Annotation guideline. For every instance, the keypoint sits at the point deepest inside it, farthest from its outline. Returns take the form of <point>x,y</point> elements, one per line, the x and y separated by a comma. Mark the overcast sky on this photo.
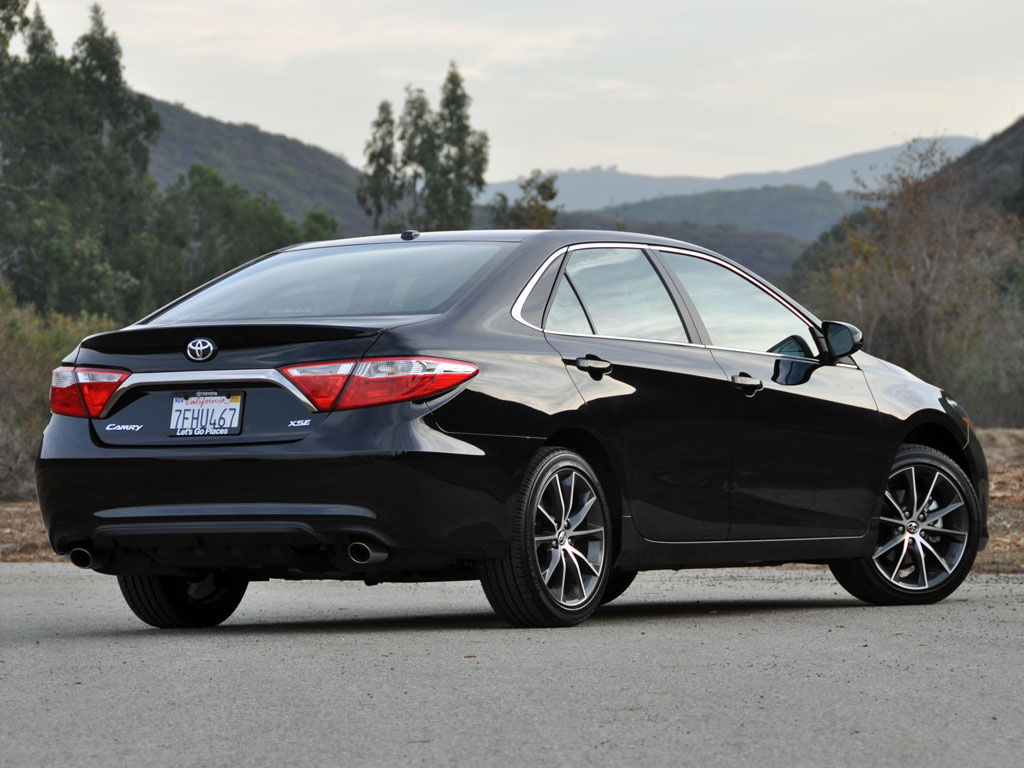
<point>667,88</point>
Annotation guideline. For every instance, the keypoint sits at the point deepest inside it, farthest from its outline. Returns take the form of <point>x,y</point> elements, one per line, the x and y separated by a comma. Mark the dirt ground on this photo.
<point>22,538</point>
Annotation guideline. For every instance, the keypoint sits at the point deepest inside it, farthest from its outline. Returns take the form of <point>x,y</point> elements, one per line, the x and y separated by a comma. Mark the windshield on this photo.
<point>354,280</point>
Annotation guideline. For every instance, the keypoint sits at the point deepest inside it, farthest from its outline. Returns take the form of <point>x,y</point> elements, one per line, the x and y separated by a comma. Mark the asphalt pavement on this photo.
<point>760,667</point>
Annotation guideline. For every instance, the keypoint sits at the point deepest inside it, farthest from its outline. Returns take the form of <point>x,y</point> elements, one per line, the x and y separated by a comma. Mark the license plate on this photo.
<point>205,414</point>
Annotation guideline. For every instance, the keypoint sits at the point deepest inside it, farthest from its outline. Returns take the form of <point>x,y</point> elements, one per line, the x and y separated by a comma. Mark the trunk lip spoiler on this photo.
<point>239,376</point>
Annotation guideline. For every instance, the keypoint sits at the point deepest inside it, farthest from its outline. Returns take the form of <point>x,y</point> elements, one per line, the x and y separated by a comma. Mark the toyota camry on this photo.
<point>547,412</point>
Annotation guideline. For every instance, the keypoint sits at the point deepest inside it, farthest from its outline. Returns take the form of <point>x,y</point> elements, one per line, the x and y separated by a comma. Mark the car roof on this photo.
<point>554,238</point>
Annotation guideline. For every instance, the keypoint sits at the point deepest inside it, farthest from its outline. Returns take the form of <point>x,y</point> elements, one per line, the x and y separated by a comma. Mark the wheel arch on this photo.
<point>600,458</point>
<point>940,437</point>
<point>969,456</point>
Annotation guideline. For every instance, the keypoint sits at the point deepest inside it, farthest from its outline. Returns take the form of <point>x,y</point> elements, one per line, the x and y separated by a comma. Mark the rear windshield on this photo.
<point>355,280</point>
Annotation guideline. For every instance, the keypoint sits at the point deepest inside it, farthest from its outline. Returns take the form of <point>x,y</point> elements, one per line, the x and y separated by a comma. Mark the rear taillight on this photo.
<point>320,382</point>
<point>343,384</point>
<point>83,391</point>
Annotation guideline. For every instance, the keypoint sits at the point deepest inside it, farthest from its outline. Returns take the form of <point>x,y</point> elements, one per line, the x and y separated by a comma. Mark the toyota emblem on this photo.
<point>200,350</point>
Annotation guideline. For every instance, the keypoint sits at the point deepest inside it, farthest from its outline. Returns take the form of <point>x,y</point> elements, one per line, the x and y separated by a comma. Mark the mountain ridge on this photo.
<point>589,189</point>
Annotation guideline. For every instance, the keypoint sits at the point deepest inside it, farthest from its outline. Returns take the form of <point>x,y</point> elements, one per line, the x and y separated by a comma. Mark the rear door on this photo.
<point>806,462</point>
<point>663,401</point>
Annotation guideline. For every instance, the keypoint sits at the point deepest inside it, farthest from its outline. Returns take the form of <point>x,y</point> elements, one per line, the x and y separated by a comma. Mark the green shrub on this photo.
<point>31,346</point>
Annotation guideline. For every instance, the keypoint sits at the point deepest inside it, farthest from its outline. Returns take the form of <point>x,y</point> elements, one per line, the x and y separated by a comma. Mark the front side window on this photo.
<point>621,293</point>
<point>737,313</point>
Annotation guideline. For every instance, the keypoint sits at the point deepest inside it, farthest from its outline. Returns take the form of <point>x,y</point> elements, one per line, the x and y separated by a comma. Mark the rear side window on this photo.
<point>621,294</point>
<point>566,313</point>
<point>382,279</point>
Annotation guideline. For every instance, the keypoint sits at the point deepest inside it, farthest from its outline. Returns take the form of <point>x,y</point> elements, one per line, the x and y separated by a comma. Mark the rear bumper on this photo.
<point>283,508</point>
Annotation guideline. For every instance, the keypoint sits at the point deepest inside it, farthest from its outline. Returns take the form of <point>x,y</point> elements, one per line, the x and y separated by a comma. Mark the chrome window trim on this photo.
<point>268,375</point>
<point>615,246</point>
<point>517,307</point>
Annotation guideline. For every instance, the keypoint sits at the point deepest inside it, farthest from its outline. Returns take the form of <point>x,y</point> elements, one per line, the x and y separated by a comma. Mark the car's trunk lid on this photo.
<point>236,394</point>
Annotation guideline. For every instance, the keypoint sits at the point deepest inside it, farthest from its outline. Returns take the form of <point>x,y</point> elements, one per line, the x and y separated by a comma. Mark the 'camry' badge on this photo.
<point>200,350</point>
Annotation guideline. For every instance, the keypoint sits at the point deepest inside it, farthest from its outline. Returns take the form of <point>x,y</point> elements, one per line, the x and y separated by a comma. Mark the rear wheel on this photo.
<point>174,602</point>
<point>927,534</point>
<point>557,565</point>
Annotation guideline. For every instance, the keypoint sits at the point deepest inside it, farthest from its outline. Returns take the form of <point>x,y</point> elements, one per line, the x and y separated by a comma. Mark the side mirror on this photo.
<point>842,339</point>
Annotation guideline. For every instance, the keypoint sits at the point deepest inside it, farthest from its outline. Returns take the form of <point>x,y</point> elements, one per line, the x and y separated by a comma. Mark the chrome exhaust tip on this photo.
<point>367,553</point>
<point>81,557</point>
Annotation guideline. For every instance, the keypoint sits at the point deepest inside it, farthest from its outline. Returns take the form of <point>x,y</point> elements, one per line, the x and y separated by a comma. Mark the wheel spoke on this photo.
<point>580,557</point>
<point>579,573</point>
<point>579,532</point>
<point>895,505</point>
<point>894,541</point>
<point>546,537</point>
<point>552,565</point>
<point>893,521</point>
<point>581,515</point>
<point>941,513</point>
<point>945,531</point>
<point>899,563</point>
<point>942,561</point>
<point>540,508</point>
<point>913,489</point>
<point>928,496</point>
<point>921,565</point>
<point>561,593</point>
<point>561,498</point>
<point>572,493</point>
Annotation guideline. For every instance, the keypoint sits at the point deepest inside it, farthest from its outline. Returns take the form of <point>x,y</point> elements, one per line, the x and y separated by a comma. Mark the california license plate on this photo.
<point>205,414</point>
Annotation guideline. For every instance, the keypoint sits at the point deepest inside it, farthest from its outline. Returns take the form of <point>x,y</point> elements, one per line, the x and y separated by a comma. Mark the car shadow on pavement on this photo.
<point>485,620</point>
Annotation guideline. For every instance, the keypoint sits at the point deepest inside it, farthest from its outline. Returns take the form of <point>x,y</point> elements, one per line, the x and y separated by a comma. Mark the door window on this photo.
<point>621,295</point>
<point>566,314</point>
<point>737,313</point>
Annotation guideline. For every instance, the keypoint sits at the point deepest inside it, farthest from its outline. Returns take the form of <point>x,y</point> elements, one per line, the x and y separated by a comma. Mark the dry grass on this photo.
<point>22,538</point>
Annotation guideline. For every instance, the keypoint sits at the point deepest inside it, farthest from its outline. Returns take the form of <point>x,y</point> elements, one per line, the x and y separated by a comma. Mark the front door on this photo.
<point>807,436</point>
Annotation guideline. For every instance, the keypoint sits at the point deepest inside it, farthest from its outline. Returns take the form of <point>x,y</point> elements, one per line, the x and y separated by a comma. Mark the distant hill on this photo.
<point>768,253</point>
<point>993,169</point>
<point>598,187</point>
<point>801,212</point>
<point>299,176</point>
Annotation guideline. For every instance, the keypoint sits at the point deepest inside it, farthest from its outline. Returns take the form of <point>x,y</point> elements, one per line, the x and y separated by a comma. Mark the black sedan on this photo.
<point>548,412</point>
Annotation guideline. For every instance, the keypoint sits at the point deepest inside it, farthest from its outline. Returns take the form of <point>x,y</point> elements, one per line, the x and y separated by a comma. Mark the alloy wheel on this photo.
<point>569,538</point>
<point>924,529</point>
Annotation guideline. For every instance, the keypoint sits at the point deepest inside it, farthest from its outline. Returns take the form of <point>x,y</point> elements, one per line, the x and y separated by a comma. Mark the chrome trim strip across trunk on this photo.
<point>268,375</point>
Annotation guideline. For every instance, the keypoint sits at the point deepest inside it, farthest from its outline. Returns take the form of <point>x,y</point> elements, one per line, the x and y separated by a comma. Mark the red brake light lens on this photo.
<point>83,392</point>
<point>345,384</point>
<point>320,382</point>
<point>394,379</point>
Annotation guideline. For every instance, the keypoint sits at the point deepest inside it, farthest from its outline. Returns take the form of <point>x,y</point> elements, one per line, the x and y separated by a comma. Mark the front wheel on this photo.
<point>170,602</point>
<point>558,561</point>
<point>927,534</point>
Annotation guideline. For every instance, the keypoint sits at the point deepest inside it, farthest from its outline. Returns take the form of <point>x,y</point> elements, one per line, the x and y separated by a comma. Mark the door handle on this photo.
<point>747,383</point>
<point>593,365</point>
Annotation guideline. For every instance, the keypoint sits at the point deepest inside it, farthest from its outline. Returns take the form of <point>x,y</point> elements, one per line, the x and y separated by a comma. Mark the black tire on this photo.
<point>618,583</point>
<point>927,535</point>
<point>576,556</point>
<point>172,602</point>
